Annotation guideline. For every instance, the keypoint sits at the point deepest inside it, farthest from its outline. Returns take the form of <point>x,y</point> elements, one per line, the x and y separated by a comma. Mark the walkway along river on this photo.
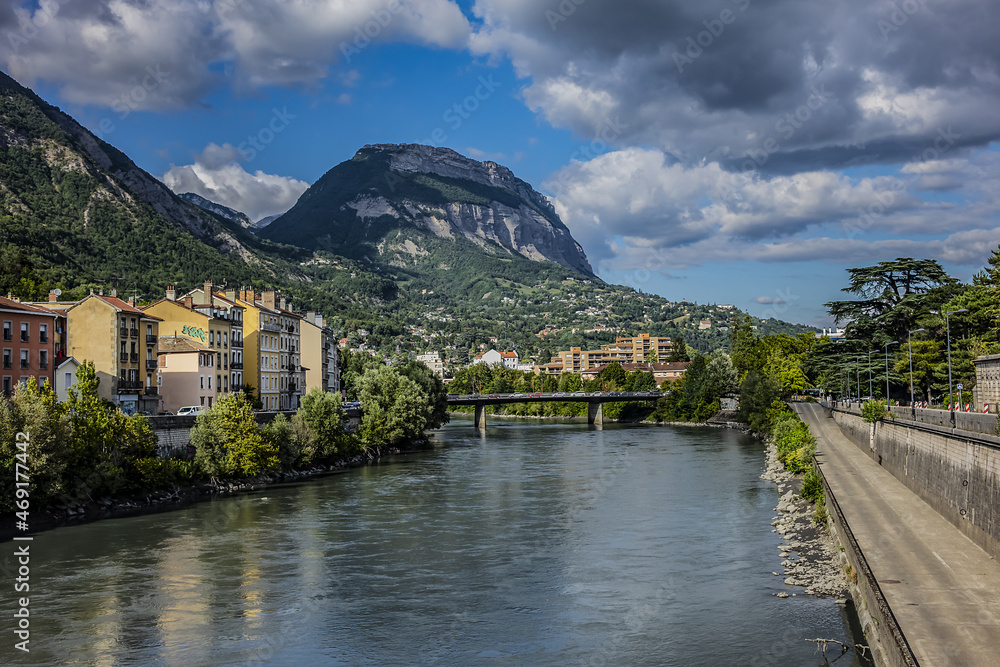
<point>533,544</point>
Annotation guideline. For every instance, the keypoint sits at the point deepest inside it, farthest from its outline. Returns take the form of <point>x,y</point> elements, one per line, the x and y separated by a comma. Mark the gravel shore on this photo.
<point>809,557</point>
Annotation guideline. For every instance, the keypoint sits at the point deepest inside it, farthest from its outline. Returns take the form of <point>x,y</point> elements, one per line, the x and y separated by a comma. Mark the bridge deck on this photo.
<point>943,589</point>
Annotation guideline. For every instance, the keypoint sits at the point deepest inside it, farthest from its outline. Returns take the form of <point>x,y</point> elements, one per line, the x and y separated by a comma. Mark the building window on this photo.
<point>43,360</point>
<point>43,333</point>
<point>201,379</point>
<point>225,384</point>
<point>209,401</point>
<point>68,379</point>
<point>6,385</point>
<point>209,381</point>
<point>25,363</point>
<point>25,332</point>
<point>8,330</point>
<point>203,401</point>
<point>8,358</point>
<point>211,338</point>
<point>218,381</point>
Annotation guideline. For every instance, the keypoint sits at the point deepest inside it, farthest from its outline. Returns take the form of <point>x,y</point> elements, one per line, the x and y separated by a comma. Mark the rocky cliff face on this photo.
<point>230,214</point>
<point>387,187</point>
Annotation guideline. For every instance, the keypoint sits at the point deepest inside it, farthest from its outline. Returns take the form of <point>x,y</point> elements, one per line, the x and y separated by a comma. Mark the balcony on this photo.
<point>123,357</point>
<point>25,364</point>
<point>151,363</point>
<point>134,357</point>
<point>133,333</point>
<point>150,339</point>
<point>152,391</point>
<point>237,343</point>
<point>123,332</point>
<point>236,365</point>
<point>43,365</point>
<point>270,327</point>
<point>25,337</point>
<point>130,386</point>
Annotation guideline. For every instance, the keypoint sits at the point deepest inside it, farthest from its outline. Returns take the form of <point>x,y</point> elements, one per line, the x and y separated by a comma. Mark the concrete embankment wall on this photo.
<point>956,472</point>
<point>976,422</point>
<point>882,631</point>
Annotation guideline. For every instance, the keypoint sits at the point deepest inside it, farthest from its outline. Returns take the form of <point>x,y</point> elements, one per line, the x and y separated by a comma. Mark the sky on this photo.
<point>719,151</point>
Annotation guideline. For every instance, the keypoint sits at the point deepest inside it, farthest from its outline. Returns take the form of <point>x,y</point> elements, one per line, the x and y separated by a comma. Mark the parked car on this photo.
<point>535,395</point>
<point>579,393</point>
<point>559,395</point>
<point>190,410</point>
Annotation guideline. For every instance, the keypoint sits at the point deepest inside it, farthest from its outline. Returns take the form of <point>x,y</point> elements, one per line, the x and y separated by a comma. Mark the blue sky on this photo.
<point>728,151</point>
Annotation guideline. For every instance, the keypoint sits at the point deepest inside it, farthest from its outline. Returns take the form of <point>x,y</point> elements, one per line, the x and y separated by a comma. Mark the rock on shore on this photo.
<point>809,557</point>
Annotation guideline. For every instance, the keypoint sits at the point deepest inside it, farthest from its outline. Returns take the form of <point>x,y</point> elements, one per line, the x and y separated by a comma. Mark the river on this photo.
<point>531,544</point>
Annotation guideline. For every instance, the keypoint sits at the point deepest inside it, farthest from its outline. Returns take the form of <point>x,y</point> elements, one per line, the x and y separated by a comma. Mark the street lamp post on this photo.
<point>951,405</point>
<point>895,342</point>
<point>870,392</point>
<point>909,345</point>
<point>859,379</point>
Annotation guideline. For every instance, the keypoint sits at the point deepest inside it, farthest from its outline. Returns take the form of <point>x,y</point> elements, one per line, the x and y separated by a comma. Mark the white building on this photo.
<point>64,377</point>
<point>433,361</point>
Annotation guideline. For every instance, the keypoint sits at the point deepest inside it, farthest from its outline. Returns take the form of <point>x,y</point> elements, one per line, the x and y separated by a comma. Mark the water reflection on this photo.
<point>525,544</point>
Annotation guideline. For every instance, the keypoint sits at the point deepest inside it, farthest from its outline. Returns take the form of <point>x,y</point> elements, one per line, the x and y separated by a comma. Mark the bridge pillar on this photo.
<point>480,420</point>
<point>595,413</point>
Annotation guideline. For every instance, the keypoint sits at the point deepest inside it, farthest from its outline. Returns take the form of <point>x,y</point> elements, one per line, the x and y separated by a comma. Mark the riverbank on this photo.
<point>79,511</point>
<point>810,558</point>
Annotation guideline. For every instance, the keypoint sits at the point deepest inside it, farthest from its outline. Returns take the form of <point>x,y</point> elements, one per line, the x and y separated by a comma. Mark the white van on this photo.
<point>190,410</point>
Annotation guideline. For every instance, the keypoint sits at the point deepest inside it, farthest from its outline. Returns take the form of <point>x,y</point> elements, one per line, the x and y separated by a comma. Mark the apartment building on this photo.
<point>226,302</point>
<point>625,350</point>
<point>188,373</point>
<point>28,344</point>
<point>262,346</point>
<point>433,361</point>
<point>319,354</point>
<point>291,385</point>
<point>197,318</point>
<point>121,341</point>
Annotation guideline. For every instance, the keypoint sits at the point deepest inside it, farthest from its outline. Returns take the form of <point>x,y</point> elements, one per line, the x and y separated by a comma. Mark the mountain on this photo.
<point>230,214</point>
<point>264,222</point>
<point>391,201</point>
<point>461,251</point>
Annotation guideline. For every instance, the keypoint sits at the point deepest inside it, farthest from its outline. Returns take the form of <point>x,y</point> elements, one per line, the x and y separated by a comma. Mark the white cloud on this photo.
<point>217,175</point>
<point>164,54</point>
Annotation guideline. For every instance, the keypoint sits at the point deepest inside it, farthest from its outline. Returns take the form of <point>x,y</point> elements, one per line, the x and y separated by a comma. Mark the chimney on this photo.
<point>267,298</point>
<point>188,301</point>
<point>114,292</point>
<point>53,297</point>
<point>231,294</point>
<point>248,295</point>
<point>206,298</point>
<point>131,301</point>
<point>171,293</point>
<point>282,304</point>
<point>311,317</point>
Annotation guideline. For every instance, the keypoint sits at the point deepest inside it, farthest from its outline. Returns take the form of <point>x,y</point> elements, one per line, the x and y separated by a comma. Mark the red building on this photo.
<point>28,343</point>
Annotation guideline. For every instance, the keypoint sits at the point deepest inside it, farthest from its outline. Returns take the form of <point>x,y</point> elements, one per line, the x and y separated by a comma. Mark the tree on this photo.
<point>433,387</point>
<point>107,445</point>
<point>613,376</point>
<point>228,441</point>
<point>320,426</point>
<point>893,294</point>
<point>678,352</point>
<point>34,410</point>
<point>395,407</point>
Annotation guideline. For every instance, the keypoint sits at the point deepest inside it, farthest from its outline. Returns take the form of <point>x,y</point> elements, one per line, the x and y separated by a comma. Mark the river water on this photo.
<point>531,544</point>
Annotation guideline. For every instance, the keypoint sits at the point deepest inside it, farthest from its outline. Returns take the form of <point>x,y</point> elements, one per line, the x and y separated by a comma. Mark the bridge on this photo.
<point>595,401</point>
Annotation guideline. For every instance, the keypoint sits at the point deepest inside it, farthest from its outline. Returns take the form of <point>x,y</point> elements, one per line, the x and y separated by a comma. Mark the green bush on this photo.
<point>812,486</point>
<point>872,411</point>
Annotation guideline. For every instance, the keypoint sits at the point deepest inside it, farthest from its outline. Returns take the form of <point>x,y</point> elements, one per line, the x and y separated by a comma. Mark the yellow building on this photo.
<point>198,319</point>
<point>625,350</point>
<point>319,354</point>
<point>121,341</point>
<point>261,346</point>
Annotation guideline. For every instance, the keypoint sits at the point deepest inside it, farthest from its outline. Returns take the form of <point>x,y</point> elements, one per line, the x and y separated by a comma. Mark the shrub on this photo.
<point>872,411</point>
<point>812,486</point>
